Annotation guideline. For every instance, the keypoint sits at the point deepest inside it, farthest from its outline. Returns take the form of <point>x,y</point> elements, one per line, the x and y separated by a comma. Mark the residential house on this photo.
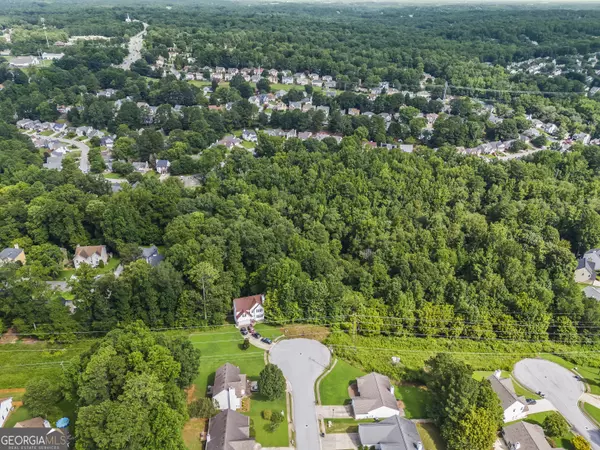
<point>295,105</point>
<point>59,127</point>
<point>375,398</point>
<point>12,254</point>
<point>550,128</point>
<point>230,142</point>
<point>24,61</point>
<point>90,255</point>
<point>249,135</point>
<point>593,255</point>
<point>585,272</point>
<point>106,93</point>
<point>330,84</point>
<point>151,255</point>
<point>255,78</point>
<point>385,116</point>
<point>229,387</point>
<point>584,138</point>
<point>162,166</point>
<point>83,131</point>
<point>287,80</point>
<point>407,148</point>
<point>141,167</point>
<point>324,109</point>
<point>318,84</point>
<point>107,142</point>
<point>5,407</point>
<point>369,114</point>
<point>230,430</point>
<point>280,93</point>
<point>395,433</point>
<point>514,407</point>
<point>327,78</point>
<point>592,292</point>
<point>314,76</point>
<point>248,310</point>
<point>36,422</point>
<point>304,135</point>
<point>23,123</point>
<point>273,72</point>
<point>307,107</point>
<point>353,112</point>
<point>52,56</point>
<point>53,163</point>
<point>525,436</point>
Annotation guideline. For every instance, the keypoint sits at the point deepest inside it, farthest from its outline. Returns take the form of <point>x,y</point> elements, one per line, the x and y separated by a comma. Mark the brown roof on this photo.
<point>36,422</point>
<point>89,250</point>
<point>244,304</point>
<point>374,392</point>
<point>228,376</point>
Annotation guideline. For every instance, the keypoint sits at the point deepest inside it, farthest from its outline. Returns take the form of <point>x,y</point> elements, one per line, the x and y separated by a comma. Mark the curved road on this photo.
<point>302,361</point>
<point>84,165</point>
<point>560,387</point>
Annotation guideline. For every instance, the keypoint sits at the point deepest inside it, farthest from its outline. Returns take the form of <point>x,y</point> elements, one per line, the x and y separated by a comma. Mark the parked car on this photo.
<point>243,331</point>
<point>256,335</point>
<point>540,393</point>
<point>254,386</point>
<point>266,340</point>
<point>530,401</point>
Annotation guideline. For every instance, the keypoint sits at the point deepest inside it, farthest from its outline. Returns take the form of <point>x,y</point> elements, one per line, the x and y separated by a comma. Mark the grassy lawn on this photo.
<point>112,176</point>
<point>248,144</point>
<point>47,133</point>
<point>222,345</point>
<point>430,437</point>
<point>344,425</point>
<point>65,274</point>
<point>415,399</point>
<point>483,374</point>
<point>191,433</point>
<point>112,264</point>
<point>521,390</point>
<point>593,412</point>
<point>18,415</point>
<point>334,387</point>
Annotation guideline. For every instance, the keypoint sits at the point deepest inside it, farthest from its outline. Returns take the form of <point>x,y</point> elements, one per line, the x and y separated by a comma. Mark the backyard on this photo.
<point>222,345</point>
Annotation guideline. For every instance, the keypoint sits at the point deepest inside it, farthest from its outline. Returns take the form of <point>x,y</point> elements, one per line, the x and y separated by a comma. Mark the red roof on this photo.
<point>245,304</point>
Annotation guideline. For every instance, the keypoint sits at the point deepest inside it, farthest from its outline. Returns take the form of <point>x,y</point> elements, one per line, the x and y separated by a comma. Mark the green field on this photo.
<point>222,345</point>
<point>18,415</point>
<point>415,399</point>
<point>592,411</point>
<point>112,176</point>
<point>334,386</point>
<point>344,425</point>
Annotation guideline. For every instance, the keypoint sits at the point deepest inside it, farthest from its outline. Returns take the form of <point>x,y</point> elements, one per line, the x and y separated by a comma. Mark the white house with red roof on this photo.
<point>248,310</point>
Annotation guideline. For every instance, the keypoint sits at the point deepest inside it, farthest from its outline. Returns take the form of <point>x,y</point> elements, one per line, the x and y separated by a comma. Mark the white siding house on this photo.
<point>229,387</point>
<point>375,398</point>
<point>514,407</point>
<point>248,310</point>
<point>5,407</point>
<point>90,255</point>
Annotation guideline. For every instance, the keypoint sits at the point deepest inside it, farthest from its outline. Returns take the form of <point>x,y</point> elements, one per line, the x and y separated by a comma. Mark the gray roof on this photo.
<point>584,263</point>
<point>374,392</point>
<point>505,391</point>
<point>228,376</point>
<point>393,433</point>
<point>229,430</point>
<point>151,255</point>
<point>10,253</point>
<point>592,292</point>
<point>528,435</point>
<point>162,163</point>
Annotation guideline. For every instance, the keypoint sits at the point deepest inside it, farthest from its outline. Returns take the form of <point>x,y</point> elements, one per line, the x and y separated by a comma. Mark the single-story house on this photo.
<point>375,398</point>
<point>52,56</point>
<point>36,422</point>
<point>151,255</point>
<point>12,254</point>
<point>24,61</point>
<point>514,407</point>
<point>394,433</point>
<point>5,407</point>
<point>141,167</point>
<point>584,138</point>
<point>248,310</point>
<point>229,387</point>
<point>525,436</point>
<point>230,430</point>
<point>90,255</point>
<point>53,163</point>
<point>585,271</point>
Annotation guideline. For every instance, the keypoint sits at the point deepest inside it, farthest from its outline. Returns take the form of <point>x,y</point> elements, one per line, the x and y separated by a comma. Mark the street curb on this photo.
<point>318,382</point>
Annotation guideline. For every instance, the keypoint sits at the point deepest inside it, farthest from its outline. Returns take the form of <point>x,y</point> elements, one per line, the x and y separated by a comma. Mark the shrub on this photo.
<point>580,443</point>
<point>267,414</point>
<point>246,344</point>
<point>555,425</point>
<point>203,408</point>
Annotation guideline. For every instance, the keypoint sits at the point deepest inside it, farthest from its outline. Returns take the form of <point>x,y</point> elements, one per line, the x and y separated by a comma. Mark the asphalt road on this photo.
<point>302,361</point>
<point>84,165</point>
<point>562,389</point>
<point>135,49</point>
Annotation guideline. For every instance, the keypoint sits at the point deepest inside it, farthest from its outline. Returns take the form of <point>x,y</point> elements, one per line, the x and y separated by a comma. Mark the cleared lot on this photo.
<point>562,389</point>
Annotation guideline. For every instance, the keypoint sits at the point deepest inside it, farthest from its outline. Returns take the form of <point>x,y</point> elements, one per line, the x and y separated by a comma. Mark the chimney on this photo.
<point>419,446</point>
<point>392,389</point>
<point>498,374</point>
<point>516,446</point>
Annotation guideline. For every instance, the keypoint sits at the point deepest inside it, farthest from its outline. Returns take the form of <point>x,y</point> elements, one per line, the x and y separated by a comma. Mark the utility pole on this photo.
<point>445,90</point>
<point>354,326</point>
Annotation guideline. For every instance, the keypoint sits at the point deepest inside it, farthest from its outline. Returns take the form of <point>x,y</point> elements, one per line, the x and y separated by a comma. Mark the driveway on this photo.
<point>302,361</point>
<point>562,389</point>
<point>340,441</point>
<point>335,411</point>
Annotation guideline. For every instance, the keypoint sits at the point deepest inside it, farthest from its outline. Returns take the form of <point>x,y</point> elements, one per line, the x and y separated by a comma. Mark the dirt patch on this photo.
<point>315,332</point>
<point>12,391</point>
<point>190,394</point>
<point>17,403</point>
<point>194,432</point>
<point>353,390</point>
<point>11,337</point>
